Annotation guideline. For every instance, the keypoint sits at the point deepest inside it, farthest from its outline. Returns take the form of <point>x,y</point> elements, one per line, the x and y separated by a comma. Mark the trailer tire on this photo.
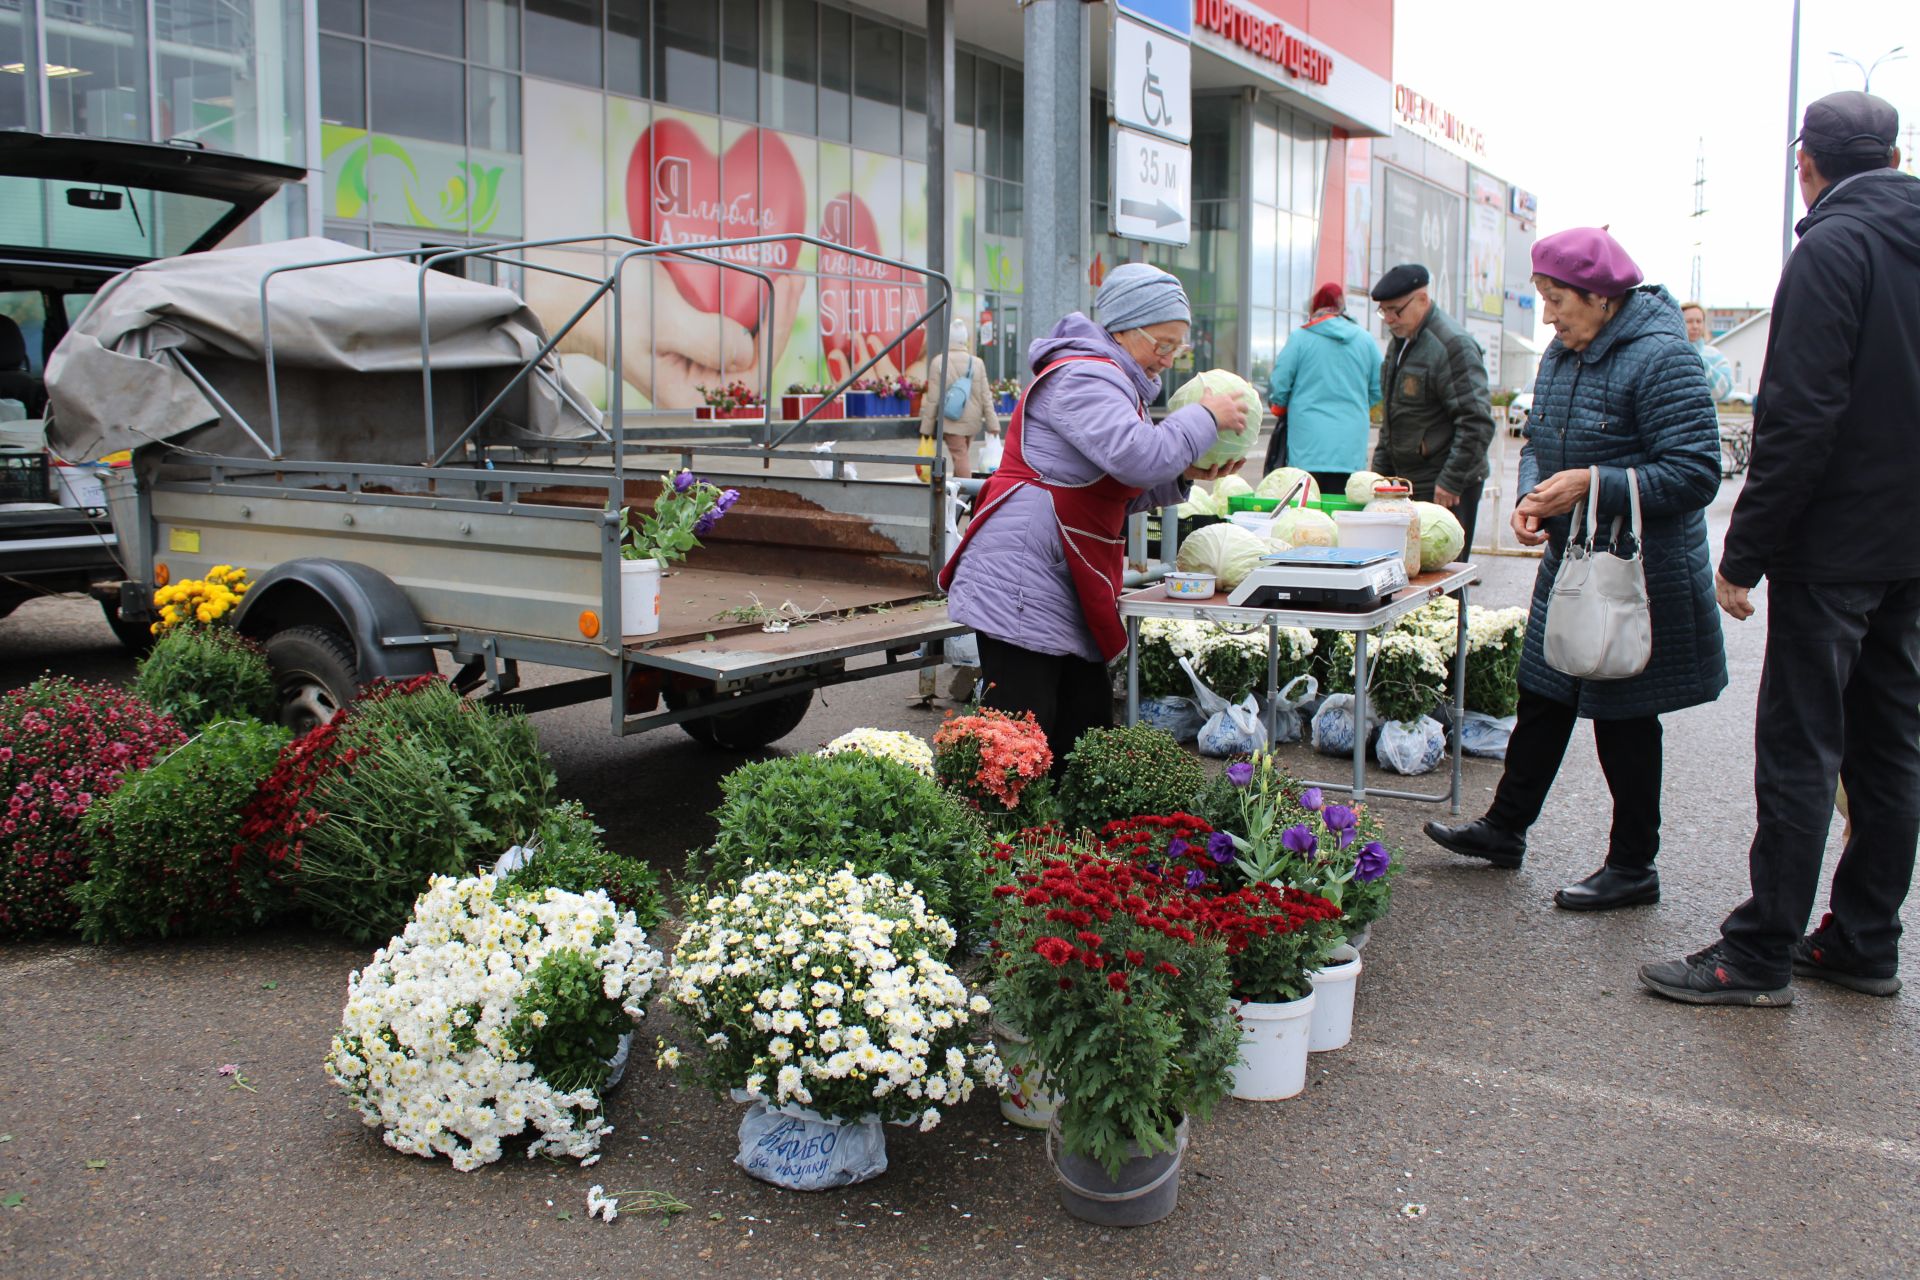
<point>748,729</point>
<point>133,633</point>
<point>314,675</point>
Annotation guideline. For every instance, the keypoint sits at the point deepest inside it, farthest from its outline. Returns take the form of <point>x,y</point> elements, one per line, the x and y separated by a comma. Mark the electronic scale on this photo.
<point>1349,578</point>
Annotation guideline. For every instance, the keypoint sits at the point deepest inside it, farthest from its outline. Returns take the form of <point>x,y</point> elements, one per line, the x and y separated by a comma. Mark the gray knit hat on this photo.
<point>1136,295</point>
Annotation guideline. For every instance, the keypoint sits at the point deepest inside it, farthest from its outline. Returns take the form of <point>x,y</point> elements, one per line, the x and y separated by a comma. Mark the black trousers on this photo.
<point>1067,695</point>
<point>1629,756</point>
<point>1839,696</point>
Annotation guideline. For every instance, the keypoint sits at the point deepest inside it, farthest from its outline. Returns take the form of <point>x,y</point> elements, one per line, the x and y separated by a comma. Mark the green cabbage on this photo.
<point>1360,486</point>
<point>1281,479</point>
<point>1228,487</point>
<point>1226,551</point>
<point>1441,537</point>
<point>1227,447</point>
<point>1304,527</point>
<point>1198,503</point>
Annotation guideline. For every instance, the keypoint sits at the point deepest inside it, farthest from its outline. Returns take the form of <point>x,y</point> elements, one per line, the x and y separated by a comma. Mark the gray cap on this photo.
<point>1136,295</point>
<point>1849,124</point>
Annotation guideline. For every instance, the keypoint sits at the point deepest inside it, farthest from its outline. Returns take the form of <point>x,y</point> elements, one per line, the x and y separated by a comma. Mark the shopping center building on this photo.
<point>452,122</point>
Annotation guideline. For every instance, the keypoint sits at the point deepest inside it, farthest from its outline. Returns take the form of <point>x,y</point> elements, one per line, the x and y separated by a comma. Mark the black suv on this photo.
<point>74,213</point>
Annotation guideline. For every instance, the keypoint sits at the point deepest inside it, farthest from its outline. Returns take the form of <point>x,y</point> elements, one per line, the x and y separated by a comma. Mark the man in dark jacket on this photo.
<point>1436,417</point>
<point>1836,456</point>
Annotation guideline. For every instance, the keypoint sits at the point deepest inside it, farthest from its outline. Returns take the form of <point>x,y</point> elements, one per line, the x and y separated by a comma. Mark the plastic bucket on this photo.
<point>1146,1190</point>
<point>1273,1049</point>
<point>1383,530</point>
<point>81,487</point>
<point>639,597</point>
<point>1333,990</point>
<point>1027,1102</point>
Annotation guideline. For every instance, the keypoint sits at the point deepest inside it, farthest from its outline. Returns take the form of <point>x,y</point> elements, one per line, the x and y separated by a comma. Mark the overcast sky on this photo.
<point>1599,109</point>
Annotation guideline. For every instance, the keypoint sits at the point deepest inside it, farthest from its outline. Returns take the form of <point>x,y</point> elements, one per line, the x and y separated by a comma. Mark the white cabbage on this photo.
<point>1280,479</point>
<point>1226,551</point>
<point>1360,486</point>
<point>1441,537</point>
<point>1228,487</point>
<point>1227,448</point>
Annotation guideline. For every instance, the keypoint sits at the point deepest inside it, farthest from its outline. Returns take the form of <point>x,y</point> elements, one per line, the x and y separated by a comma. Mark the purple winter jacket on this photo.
<point>1082,422</point>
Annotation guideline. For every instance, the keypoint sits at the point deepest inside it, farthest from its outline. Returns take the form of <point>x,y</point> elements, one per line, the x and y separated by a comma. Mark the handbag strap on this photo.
<point>1586,513</point>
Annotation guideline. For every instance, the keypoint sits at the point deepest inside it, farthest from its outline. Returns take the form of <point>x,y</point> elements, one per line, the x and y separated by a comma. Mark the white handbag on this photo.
<point>1599,624</point>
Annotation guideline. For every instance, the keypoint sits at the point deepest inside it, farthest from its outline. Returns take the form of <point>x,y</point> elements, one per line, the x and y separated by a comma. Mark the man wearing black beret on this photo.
<point>1436,417</point>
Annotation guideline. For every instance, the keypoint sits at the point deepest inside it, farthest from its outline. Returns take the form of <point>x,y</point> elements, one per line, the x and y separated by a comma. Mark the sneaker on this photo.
<point>1709,977</point>
<point>1480,839</point>
<point>1821,954</point>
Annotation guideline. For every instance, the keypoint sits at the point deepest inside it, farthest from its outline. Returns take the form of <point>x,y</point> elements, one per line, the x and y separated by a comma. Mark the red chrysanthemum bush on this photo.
<point>1275,937</point>
<point>63,744</point>
<point>1103,965</point>
<point>993,760</point>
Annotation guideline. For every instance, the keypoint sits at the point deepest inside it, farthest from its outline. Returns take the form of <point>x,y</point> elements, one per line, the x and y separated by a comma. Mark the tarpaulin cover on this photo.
<point>346,353</point>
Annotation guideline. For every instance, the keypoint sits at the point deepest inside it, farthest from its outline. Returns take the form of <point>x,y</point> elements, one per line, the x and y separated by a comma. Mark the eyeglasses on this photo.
<point>1392,312</point>
<point>1165,347</point>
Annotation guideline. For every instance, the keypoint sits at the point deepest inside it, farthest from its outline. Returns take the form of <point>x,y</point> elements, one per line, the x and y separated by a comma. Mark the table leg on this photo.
<point>1459,696</point>
<point>1273,679</point>
<point>1133,671</point>
<point>1359,716</point>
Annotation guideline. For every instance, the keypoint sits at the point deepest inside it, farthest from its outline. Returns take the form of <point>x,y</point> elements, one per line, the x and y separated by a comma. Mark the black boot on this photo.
<point>1480,839</point>
<point>1611,887</point>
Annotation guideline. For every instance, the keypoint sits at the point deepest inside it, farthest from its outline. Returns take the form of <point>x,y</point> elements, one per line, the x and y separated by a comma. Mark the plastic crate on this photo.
<point>23,475</point>
<point>1333,502</point>
<point>1249,502</point>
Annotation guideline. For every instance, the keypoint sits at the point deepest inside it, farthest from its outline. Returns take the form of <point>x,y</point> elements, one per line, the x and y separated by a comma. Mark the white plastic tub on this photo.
<point>1382,531</point>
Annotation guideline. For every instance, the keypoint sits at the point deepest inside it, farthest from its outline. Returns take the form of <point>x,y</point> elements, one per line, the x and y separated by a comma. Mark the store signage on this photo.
<point>1265,38</point>
<point>1424,115</point>
<point>1523,205</point>
<point>1171,14</point>
<point>1152,188</point>
<point>1150,80</point>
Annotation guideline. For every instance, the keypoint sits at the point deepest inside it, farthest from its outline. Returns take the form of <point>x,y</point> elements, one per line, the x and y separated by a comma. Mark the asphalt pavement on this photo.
<point>1512,1104</point>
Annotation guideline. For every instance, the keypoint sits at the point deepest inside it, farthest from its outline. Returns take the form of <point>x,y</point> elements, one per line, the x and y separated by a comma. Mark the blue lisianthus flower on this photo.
<point>1311,799</point>
<point>1177,848</point>
<point>1300,840</point>
<point>1196,878</point>
<point>1220,847</point>
<point>1372,863</point>
<point>683,482</point>
<point>1339,817</point>
<point>1240,773</point>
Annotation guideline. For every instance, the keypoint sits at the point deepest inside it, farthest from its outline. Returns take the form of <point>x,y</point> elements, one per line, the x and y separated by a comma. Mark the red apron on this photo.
<point>1091,519</point>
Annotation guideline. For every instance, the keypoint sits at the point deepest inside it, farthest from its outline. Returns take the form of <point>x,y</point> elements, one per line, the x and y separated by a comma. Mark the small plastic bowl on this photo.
<point>1188,586</point>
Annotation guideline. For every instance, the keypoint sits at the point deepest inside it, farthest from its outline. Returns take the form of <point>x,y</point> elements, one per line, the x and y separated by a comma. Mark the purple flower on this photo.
<point>704,525</point>
<point>1338,817</point>
<point>1311,799</point>
<point>683,482</point>
<point>1372,863</point>
<point>1240,773</point>
<point>1220,847</point>
<point>1300,840</point>
<point>1196,878</point>
<point>726,500</point>
<point>1177,848</point>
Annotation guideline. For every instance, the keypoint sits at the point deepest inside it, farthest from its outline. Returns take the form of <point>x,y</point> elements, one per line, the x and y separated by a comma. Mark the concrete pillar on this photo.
<point>1059,165</point>
<point>939,125</point>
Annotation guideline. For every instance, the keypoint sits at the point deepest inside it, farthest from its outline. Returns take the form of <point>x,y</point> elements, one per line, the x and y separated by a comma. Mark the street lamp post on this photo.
<point>1867,69</point>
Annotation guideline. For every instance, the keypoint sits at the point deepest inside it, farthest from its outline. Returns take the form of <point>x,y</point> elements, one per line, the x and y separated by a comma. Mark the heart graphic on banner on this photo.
<point>874,303</point>
<point>679,192</point>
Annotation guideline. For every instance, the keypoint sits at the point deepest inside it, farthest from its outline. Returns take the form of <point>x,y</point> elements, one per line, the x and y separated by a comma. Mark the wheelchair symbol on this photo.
<point>1153,102</point>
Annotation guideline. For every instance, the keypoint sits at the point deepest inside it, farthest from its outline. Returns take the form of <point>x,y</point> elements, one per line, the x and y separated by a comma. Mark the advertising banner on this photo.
<point>1486,244</point>
<point>1422,224</point>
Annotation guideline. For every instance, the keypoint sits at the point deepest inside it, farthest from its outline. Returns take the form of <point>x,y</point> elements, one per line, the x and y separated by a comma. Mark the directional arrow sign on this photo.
<point>1152,187</point>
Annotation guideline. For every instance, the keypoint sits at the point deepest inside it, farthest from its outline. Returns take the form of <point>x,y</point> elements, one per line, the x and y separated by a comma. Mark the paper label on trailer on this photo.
<point>184,540</point>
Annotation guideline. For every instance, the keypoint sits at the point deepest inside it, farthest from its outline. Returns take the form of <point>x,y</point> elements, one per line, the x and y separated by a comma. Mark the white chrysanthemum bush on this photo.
<point>887,744</point>
<point>819,989</point>
<point>492,1016</point>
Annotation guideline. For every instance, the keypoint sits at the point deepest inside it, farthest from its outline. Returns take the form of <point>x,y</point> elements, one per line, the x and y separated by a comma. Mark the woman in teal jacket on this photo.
<point>1327,377</point>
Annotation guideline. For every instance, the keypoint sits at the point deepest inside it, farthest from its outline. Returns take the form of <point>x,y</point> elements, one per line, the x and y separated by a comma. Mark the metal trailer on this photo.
<point>503,555</point>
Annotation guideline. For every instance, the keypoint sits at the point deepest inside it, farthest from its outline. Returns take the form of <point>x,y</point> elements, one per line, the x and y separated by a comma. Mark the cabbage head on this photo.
<point>1226,551</point>
<point>1226,448</point>
<point>1441,537</point>
<point>1360,486</point>
<point>1228,487</point>
<point>1198,503</point>
<point>1281,479</point>
<point>1303,527</point>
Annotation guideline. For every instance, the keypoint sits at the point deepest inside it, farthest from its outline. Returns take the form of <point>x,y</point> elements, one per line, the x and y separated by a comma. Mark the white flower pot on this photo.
<point>1333,989</point>
<point>639,597</point>
<point>1273,1049</point>
<point>1027,1101</point>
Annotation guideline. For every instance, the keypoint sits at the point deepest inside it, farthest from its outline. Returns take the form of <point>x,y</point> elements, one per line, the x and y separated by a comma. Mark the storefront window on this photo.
<point>343,82</point>
<point>628,24</point>
<point>836,74</point>
<point>343,16</point>
<point>876,86</point>
<point>16,90</point>
<point>435,26</point>
<point>686,66</point>
<point>97,69</point>
<point>494,114</point>
<point>790,60</point>
<point>563,40</point>
<point>493,32</point>
<point>915,79</point>
<point>417,96</point>
<point>963,151</point>
<point>225,78</point>
<point>740,60</point>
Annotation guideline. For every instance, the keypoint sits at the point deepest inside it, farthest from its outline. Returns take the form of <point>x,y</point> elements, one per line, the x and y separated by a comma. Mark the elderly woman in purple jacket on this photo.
<point>1038,573</point>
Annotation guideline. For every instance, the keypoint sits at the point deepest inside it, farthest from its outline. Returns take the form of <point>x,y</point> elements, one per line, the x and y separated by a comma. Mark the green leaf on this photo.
<point>268,986</point>
<point>96,1164</point>
<point>12,1200</point>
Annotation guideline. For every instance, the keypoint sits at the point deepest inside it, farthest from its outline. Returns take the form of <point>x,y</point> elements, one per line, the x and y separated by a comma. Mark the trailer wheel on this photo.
<point>314,675</point>
<point>134,634</point>
<point>747,729</point>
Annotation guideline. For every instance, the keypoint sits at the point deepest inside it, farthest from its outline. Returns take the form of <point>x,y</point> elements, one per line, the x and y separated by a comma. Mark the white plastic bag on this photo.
<point>1287,707</point>
<point>1333,725</point>
<point>1409,747</point>
<point>962,651</point>
<point>1180,717</point>
<point>824,467</point>
<point>1230,729</point>
<point>1485,735</point>
<point>990,451</point>
<point>798,1149</point>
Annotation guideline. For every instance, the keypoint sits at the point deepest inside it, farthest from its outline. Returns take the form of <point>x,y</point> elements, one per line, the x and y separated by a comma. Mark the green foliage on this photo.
<point>199,675</point>
<point>566,1026</point>
<point>166,853</point>
<point>873,814</point>
<point>1493,678</point>
<point>1333,661</point>
<point>1121,773</point>
<point>569,854</point>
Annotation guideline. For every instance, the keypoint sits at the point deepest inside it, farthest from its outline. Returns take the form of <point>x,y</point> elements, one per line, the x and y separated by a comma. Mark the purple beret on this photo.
<point>1586,258</point>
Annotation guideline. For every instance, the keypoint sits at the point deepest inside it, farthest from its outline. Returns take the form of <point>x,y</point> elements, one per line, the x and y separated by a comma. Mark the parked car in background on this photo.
<point>1517,410</point>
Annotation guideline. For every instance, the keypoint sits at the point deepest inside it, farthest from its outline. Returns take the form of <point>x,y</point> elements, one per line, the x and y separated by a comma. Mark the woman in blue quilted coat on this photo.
<point>1619,387</point>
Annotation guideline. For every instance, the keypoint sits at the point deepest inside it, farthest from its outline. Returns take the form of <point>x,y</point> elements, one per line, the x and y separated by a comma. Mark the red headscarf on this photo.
<point>1329,297</point>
